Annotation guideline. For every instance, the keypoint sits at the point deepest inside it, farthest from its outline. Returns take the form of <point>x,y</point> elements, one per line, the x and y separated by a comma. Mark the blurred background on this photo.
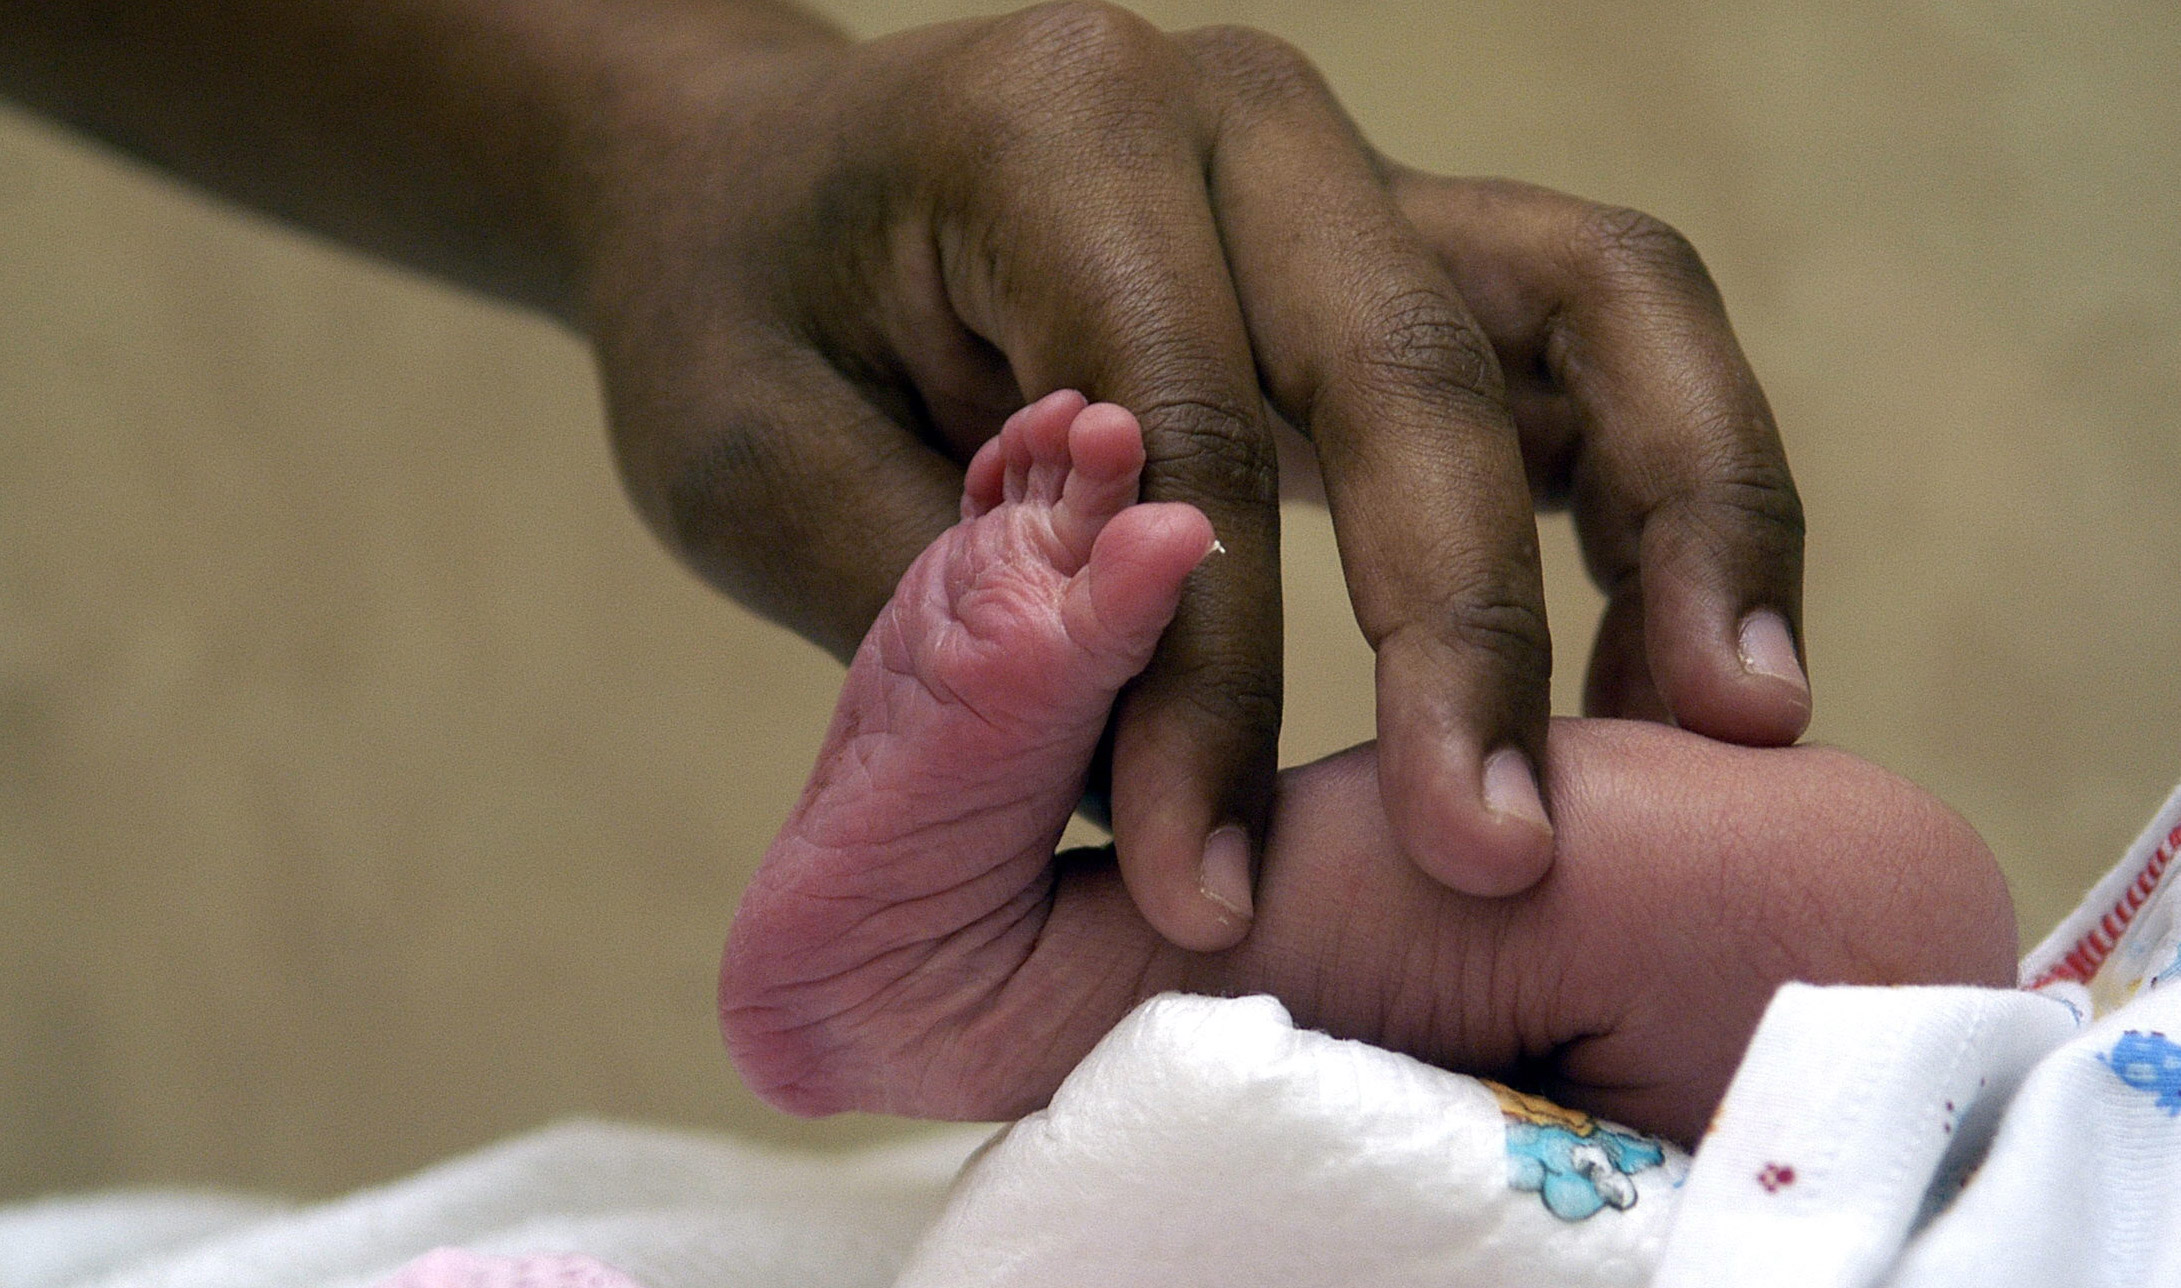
<point>371,785</point>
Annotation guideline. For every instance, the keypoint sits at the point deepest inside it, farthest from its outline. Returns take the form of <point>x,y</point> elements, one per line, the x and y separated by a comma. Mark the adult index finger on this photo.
<point>1090,259</point>
<point>1366,345</point>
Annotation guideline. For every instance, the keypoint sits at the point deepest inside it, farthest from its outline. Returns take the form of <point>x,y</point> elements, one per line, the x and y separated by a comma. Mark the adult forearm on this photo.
<point>478,139</point>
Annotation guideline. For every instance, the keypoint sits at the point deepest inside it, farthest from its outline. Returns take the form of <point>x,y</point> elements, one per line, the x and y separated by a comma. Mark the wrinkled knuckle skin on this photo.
<point>1254,706</point>
<point>1257,68</point>
<point>1054,87</point>
<point>1512,631</point>
<point>1223,452</point>
<point>711,496</point>
<point>1078,43</point>
<point>1748,530</point>
<point>1614,243</point>
<point>699,486</point>
<point>1234,696</point>
<point>1421,340</point>
<point>1759,507</point>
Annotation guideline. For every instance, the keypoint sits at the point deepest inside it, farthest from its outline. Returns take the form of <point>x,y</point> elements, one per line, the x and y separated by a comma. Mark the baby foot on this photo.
<point>916,861</point>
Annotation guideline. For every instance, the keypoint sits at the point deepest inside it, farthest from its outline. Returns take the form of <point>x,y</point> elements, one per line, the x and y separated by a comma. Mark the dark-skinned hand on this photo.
<point>924,231</point>
<point>820,272</point>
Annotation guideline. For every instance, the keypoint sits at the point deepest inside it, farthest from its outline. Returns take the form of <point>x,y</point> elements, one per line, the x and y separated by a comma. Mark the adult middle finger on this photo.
<point>1077,238</point>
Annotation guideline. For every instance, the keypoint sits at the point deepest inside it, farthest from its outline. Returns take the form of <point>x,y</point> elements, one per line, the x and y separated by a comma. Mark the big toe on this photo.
<point>1127,592</point>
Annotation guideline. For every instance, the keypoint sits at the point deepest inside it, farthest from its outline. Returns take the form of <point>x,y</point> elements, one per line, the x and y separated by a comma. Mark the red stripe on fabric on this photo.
<point>2082,962</point>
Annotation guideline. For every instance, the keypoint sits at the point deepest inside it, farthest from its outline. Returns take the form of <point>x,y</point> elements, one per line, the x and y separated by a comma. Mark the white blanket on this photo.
<point>672,1210</point>
<point>1211,1143</point>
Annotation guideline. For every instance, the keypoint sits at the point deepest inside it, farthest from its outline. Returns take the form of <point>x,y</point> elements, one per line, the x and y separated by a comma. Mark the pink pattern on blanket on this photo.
<point>457,1268</point>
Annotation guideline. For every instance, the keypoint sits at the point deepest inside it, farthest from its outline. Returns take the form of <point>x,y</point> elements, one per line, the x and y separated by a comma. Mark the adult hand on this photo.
<point>819,273</point>
<point>812,304</point>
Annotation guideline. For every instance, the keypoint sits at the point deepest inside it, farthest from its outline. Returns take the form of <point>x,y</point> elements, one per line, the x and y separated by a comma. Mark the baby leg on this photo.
<point>915,863</point>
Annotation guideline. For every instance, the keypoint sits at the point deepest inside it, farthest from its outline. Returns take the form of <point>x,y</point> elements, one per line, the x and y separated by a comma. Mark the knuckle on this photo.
<point>1079,42</point>
<point>1056,85</point>
<point>1508,627</point>
<point>1422,339</point>
<point>1230,694</point>
<point>1214,447</point>
<point>1423,332</point>
<point>1615,243</point>
<point>1747,502</point>
<point>705,485</point>
<point>1256,66</point>
<point>1253,703</point>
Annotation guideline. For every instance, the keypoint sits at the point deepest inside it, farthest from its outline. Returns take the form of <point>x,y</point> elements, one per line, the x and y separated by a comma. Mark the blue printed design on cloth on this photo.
<point>2148,1062</point>
<point>1575,1163</point>
<point>1577,1174</point>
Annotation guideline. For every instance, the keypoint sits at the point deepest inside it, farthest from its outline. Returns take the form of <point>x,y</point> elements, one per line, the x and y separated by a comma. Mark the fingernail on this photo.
<point>1225,878</point>
<point>1510,788</point>
<point>1768,648</point>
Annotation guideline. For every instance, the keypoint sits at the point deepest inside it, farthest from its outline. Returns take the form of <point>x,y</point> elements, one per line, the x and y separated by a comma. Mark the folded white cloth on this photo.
<point>1207,1143</point>
<point>2083,1182</point>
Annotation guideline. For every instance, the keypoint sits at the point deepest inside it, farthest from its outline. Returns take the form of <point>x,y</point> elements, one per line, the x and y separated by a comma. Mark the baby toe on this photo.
<point>984,482</point>
<point>1034,445</point>
<point>1121,602</point>
<point>1106,457</point>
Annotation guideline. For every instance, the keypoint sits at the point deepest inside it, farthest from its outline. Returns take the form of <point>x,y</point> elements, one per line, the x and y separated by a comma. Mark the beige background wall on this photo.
<point>370,785</point>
